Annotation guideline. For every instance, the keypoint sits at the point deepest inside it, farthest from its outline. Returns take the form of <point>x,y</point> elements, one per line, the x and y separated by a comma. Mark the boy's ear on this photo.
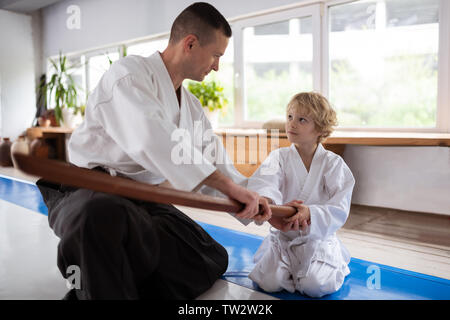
<point>319,137</point>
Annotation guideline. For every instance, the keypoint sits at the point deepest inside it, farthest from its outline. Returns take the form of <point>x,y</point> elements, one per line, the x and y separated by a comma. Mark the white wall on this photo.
<point>406,178</point>
<point>105,22</point>
<point>36,25</point>
<point>16,74</point>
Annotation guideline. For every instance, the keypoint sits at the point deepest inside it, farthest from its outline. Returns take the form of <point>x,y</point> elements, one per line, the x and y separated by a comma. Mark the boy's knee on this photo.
<point>317,285</point>
<point>272,280</point>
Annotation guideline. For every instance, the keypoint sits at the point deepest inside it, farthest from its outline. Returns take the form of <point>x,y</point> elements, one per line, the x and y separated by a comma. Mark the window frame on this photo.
<point>443,96</point>
<point>70,57</point>
<point>319,11</point>
<point>93,53</point>
<point>157,37</point>
<point>443,109</point>
<point>307,10</point>
<point>85,55</point>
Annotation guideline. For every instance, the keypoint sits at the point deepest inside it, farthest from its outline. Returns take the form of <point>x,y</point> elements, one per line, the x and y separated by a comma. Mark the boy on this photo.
<point>305,255</point>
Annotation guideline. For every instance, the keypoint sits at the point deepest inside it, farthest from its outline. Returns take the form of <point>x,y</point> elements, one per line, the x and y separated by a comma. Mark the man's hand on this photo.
<point>166,184</point>
<point>299,220</point>
<point>256,207</point>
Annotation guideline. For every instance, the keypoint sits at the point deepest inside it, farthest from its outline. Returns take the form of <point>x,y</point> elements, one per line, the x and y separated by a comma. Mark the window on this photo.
<point>98,64</point>
<point>225,79</point>
<point>383,63</point>
<point>147,48</point>
<point>75,67</point>
<point>278,57</point>
<point>273,76</point>
<point>79,77</point>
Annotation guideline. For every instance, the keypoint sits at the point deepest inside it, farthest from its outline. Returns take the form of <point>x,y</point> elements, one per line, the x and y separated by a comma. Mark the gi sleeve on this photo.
<point>327,218</point>
<point>135,120</point>
<point>214,150</point>
<point>267,179</point>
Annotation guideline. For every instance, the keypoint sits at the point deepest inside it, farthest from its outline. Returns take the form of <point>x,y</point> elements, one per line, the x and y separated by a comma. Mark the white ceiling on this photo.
<point>25,6</point>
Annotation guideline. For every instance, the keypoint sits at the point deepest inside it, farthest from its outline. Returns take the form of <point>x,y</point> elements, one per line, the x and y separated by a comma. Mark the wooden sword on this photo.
<point>70,175</point>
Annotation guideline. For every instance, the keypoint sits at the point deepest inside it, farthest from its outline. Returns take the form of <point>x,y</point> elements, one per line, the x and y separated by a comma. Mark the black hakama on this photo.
<point>130,249</point>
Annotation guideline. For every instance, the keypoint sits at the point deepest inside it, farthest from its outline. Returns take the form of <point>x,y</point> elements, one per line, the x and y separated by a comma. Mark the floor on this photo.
<point>409,240</point>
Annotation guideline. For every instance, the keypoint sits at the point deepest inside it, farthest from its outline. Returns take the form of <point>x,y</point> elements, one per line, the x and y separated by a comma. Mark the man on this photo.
<point>129,249</point>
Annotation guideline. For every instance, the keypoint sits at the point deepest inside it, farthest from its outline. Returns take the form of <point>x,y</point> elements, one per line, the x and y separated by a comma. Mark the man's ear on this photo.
<point>189,42</point>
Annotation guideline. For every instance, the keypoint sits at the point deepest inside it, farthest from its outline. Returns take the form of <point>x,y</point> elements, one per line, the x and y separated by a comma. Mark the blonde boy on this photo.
<point>303,252</point>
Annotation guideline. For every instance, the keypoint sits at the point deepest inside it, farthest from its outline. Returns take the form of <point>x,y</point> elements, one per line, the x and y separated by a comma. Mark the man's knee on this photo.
<point>102,209</point>
<point>103,216</point>
<point>223,259</point>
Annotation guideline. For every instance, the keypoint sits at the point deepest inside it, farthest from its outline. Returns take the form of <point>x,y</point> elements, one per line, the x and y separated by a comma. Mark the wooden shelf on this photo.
<point>390,138</point>
<point>357,137</point>
<point>55,137</point>
<point>245,144</point>
<point>249,140</point>
<point>39,131</point>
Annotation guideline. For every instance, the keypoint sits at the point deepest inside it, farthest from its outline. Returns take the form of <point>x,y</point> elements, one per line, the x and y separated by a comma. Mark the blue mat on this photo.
<point>23,194</point>
<point>395,283</point>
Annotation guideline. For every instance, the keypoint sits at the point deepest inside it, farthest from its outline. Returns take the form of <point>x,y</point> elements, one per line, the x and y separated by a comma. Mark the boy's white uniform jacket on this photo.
<point>326,190</point>
<point>135,127</point>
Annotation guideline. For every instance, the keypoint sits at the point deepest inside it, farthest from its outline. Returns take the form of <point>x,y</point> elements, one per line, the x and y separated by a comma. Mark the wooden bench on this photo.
<point>248,148</point>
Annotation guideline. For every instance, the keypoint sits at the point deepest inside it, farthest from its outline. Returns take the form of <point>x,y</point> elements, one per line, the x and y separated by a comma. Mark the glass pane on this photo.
<point>384,71</point>
<point>79,77</point>
<point>354,16</point>
<point>147,48</point>
<point>411,12</point>
<point>272,28</point>
<point>75,67</point>
<point>98,65</point>
<point>225,77</point>
<point>276,66</point>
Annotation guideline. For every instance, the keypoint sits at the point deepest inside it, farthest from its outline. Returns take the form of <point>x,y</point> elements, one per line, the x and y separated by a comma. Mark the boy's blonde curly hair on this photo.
<point>318,108</point>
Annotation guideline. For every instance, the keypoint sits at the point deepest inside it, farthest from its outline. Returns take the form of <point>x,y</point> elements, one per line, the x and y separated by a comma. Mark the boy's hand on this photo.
<point>302,218</point>
<point>299,220</point>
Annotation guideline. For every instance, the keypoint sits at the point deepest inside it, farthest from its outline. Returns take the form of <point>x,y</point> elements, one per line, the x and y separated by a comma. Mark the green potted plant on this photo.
<point>211,96</point>
<point>62,90</point>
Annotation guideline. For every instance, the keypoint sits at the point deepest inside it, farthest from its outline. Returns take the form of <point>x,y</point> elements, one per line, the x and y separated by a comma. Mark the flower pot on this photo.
<point>213,117</point>
<point>50,115</point>
<point>68,118</point>
<point>19,146</point>
<point>43,122</point>
<point>39,148</point>
<point>5,153</point>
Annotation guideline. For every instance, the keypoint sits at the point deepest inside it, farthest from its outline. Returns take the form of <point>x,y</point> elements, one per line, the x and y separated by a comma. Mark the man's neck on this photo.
<point>174,68</point>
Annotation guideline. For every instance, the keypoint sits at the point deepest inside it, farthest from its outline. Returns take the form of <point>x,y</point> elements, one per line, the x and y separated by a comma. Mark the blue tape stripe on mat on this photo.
<point>23,194</point>
<point>395,283</point>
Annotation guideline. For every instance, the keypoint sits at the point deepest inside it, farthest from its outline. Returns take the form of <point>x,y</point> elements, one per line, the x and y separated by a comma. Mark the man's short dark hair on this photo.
<point>200,19</point>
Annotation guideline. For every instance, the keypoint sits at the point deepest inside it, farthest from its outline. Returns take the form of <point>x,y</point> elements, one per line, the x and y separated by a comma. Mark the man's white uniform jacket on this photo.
<point>135,127</point>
